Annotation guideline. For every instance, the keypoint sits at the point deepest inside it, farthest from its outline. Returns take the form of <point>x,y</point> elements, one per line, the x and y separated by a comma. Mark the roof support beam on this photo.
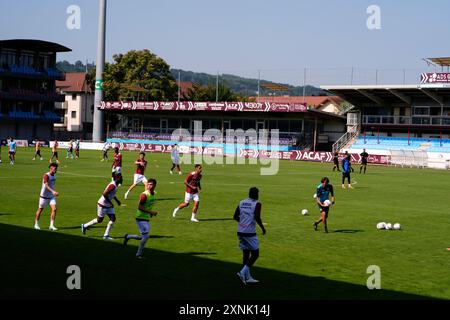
<point>401,96</point>
<point>345,97</point>
<point>372,97</point>
<point>433,96</point>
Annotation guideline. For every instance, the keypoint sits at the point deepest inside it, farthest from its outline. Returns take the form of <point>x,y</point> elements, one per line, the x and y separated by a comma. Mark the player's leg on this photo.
<point>343,180</point>
<point>173,167</point>
<point>144,228</point>
<point>100,216</point>
<point>324,219</point>
<point>112,219</point>
<point>36,219</point>
<point>195,208</point>
<point>349,183</point>
<point>365,166</point>
<point>53,215</point>
<point>360,168</point>
<point>187,200</point>
<point>129,189</point>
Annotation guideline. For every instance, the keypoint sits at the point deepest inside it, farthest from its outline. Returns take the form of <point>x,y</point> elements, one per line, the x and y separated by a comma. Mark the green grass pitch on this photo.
<point>185,260</point>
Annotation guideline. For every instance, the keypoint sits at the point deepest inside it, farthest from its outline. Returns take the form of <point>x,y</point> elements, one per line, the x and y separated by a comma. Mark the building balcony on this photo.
<point>31,95</point>
<point>32,73</point>
<point>46,116</point>
<point>407,121</point>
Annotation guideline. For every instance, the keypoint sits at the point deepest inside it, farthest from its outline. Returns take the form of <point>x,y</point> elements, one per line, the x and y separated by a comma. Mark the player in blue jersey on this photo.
<point>346,168</point>
<point>323,192</point>
<point>12,150</point>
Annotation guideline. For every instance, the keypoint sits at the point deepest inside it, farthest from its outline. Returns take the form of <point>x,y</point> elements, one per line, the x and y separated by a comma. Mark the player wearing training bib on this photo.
<point>105,206</point>
<point>143,214</point>
<point>193,187</point>
<point>37,150</point>
<point>139,177</point>
<point>12,151</point>
<point>48,196</point>
<point>55,151</point>
<point>248,214</point>
<point>70,150</point>
<point>323,192</point>
<point>77,149</point>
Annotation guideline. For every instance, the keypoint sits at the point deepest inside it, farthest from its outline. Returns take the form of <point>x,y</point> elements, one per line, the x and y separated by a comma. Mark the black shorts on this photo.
<point>54,154</point>
<point>12,152</point>
<point>324,209</point>
<point>364,161</point>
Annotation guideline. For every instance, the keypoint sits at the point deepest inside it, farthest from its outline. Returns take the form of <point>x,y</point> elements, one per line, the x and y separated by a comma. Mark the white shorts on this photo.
<point>117,170</point>
<point>188,197</point>
<point>43,203</point>
<point>248,243</point>
<point>102,211</point>
<point>138,178</point>
<point>143,226</point>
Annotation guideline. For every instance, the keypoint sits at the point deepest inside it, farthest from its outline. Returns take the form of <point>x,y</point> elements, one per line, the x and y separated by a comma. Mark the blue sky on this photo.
<point>242,36</point>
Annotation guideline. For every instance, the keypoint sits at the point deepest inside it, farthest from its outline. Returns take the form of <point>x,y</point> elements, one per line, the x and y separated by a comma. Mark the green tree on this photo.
<point>137,74</point>
<point>209,93</point>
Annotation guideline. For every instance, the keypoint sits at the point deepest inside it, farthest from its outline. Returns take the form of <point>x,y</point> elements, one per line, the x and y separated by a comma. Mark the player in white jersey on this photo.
<point>175,156</point>
<point>248,214</point>
<point>105,206</point>
<point>48,196</point>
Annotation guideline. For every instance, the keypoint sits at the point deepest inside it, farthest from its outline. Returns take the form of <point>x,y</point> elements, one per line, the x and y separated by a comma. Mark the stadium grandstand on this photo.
<point>27,88</point>
<point>299,127</point>
<point>409,123</point>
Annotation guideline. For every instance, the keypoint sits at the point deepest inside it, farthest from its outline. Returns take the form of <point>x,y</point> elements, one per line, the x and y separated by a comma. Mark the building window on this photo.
<point>74,114</point>
<point>74,96</point>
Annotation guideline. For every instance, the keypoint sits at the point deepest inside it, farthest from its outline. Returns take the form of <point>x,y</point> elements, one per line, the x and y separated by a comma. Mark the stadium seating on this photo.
<point>21,115</point>
<point>54,73</point>
<point>50,115</point>
<point>26,70</point>
<point>400,143</point>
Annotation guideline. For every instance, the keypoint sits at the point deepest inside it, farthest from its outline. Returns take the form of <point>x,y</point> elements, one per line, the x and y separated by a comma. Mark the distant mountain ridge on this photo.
<point>244,86</point>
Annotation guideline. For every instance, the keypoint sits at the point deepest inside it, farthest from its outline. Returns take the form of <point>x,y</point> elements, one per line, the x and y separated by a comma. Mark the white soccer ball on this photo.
<point>381,225</point>
<point>388,226</point>
<point>315,196</point>
<point>327,203</point>
<point>397,226</point>
<point>305,212</point>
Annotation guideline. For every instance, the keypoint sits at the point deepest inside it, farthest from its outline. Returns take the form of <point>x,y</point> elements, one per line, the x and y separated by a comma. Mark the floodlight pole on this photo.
<point>259,80</point>
<point>97,132</point>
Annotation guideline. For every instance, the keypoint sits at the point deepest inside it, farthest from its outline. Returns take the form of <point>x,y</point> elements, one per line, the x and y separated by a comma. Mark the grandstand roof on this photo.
<point>385,95</point>
<point>443,62</point>
<point>32,44</point>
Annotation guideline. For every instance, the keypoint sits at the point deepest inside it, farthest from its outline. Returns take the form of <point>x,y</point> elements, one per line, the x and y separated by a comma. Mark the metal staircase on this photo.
<point>347,139</point>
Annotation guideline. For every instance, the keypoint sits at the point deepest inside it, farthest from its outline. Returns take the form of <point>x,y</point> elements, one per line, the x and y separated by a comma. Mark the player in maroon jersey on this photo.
<point>117,163</point>
<point>193,188</point>
<point>139,177</point>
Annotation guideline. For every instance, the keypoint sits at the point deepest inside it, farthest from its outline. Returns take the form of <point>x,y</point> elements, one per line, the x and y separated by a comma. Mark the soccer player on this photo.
<point>105,149</point>
<point>77,148</point>
<point>12,151</point>
<point>336,161</point>
<point>324,189</point>
<point>117,163</point>
<point>346,167</point>
<point>48,196</point>
<point>105,206</point>
<point>193,187</point>
<point>37,151</point>
<point>70,150</point>
<point>139,177</point>
<point>364,155</point>
<point>143,215</point>
<point>349,157</point>
<point>55,151</point>
<point>175,156</point>
<point>248,214</point>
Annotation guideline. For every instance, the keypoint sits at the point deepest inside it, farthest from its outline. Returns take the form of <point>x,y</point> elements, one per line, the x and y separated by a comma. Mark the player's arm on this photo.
<point>48,187</point>
<point>187,182</point>
<point>106,193</point>
<point>118,201</point>
<point>237,214</point>
<point>258,217</point>
<point>142,207</point>
<point>333,198</point>
<point>318,197</point>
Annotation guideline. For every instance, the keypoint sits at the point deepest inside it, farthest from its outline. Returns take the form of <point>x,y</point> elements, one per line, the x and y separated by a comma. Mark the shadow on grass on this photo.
<point>34,265</point>
<point>348,231</point>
